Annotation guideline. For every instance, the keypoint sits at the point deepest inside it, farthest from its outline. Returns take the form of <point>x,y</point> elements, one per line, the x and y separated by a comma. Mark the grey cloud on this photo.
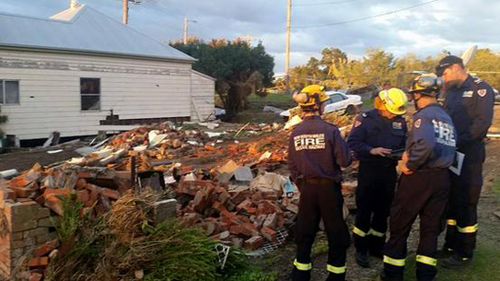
<point>426,30</point>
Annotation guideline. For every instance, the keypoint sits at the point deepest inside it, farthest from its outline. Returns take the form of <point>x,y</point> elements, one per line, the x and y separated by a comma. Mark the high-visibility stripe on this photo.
<point>336,269</point>
<point>451,222</point>
<point>427,260</point>
<point>468,229</point>
<point>376,233</point>
<point>395,262</point>
<point>302,266</point>
<point>359,232</point>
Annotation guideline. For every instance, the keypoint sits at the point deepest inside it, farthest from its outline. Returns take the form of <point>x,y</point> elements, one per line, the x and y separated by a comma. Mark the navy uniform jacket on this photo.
<point>432,140</point>
<point>316,150</point>
<point>371,130</point>
<point>471,109</point>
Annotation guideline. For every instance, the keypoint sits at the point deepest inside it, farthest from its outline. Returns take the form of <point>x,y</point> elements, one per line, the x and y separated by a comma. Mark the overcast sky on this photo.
<point>426,30</point>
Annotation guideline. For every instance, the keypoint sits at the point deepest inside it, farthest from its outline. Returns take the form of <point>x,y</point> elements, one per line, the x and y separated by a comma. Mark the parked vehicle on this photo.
<point>349,104</point>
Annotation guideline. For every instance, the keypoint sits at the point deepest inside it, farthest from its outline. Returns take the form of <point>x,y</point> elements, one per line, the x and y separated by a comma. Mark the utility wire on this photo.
<point>322,3</point>
<point>367,17</point>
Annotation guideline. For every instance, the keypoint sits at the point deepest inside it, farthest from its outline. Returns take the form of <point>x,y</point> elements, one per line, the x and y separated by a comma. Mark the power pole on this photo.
<point>185,31</point>
<point>186,28</point>
<point>287,51</point>
<point>125,11</point>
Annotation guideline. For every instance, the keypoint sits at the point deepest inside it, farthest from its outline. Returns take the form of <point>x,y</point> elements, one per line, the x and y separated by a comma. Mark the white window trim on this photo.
<point>90,95</point>
<point>18,92</point>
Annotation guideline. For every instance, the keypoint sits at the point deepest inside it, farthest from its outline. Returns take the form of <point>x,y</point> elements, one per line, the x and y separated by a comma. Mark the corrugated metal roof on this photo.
<point>84,30</point>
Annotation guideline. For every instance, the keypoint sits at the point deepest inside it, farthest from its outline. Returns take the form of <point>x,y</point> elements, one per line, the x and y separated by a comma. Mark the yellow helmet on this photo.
<point>394,100</point>
<point>311,97</point>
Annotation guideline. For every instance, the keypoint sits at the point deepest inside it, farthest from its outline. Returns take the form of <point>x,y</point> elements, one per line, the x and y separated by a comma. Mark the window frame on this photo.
<point>3,101</point>
<point>90,95</point>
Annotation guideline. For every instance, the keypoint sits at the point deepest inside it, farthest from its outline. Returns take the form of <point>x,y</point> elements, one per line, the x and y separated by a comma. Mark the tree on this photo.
<point>486,65</point>
<point>240,69</point>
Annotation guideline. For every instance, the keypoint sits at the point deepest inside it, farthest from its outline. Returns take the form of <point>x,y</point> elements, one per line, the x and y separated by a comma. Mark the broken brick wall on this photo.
<point>28,226</point>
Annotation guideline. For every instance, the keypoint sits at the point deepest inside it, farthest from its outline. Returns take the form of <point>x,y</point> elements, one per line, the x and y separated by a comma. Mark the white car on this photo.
<point>338,102</point>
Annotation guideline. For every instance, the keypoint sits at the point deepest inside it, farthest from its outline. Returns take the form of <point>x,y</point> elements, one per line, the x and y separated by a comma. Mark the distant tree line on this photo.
<point>379,67</point>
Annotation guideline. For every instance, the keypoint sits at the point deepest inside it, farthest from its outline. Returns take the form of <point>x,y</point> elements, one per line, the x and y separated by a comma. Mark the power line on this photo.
<point>323,3</point>
<point>367,17</point>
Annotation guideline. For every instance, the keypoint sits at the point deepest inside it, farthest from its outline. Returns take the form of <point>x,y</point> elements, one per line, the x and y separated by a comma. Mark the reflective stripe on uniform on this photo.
<point>376,233</point>
<point>336,269</point>
<point>451,222</point>
<point>468,229</point>
<point>359,232</point>
<point>396,262</point>
<point>427,260</point>
<point>302,266</point>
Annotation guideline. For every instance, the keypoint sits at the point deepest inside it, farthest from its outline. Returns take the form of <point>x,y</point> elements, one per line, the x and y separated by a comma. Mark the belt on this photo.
<point>319,181</point>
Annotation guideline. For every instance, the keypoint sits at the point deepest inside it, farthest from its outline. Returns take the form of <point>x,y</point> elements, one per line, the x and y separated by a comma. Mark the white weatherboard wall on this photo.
<point>202,96</point>
<point>49,86</point>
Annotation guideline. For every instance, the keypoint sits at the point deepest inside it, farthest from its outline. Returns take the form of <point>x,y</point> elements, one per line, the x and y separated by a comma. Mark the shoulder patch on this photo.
<point>417,123</point>
<point>482,92</point>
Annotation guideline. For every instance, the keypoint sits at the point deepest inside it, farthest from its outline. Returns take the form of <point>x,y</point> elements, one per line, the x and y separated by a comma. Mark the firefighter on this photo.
<point>316,153</point>
<point>469,101</point>
<point>376,138</point>
<point>424,184</point>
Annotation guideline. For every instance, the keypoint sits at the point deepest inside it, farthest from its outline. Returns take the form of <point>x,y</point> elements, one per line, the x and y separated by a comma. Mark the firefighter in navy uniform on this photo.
<point>469,101</point>
<point>376,137</point>
<point>316,153</point>
<point>424,185</point>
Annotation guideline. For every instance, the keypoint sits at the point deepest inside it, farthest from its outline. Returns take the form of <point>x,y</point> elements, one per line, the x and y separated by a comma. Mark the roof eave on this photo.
<point>14,47</point>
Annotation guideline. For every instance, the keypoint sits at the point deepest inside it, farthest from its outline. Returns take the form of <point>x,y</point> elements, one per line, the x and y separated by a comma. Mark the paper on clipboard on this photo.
<point>456,167</point>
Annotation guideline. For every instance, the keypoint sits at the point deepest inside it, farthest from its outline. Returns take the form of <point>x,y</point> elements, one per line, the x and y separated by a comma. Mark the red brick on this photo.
<point>244,229</point>
<point>190,219</point>
<point>7,193</point>
<point>55,204</point>
<point>83,196</point>
<point>266,207</point>
<point>49,192</point>
<point>20,181</point>
<point>240,196</point>
<point>271,221</point>
<point>254,243</point>
<point>81,184</point>
<point>26,191</point>
<point>39,262</point>
<point>110,193</point>
<point>46,248</point>
<point>248,206</point>
<point>268,233</point>
<point>201,201</point>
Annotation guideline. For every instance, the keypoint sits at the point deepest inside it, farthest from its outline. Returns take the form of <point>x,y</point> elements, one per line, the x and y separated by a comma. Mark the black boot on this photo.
<point>301,275</point>
<point>362,260</point>
<point>445,253</point>
<point>455,261</point>
<point>335,277</point>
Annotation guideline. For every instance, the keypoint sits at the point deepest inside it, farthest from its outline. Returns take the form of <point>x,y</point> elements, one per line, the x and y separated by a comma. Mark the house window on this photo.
<point>9,92</point>
<point>90,93</point>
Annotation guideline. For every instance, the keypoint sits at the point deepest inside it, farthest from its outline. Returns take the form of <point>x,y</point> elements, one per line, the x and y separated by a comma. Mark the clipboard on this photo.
<point>456,167</point>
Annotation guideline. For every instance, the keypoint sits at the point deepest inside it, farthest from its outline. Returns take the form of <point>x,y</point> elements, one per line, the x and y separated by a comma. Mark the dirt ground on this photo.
<point>488,204</point>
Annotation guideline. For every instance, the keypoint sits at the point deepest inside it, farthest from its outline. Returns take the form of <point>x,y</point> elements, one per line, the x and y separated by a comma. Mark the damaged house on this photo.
<point>81,71</point>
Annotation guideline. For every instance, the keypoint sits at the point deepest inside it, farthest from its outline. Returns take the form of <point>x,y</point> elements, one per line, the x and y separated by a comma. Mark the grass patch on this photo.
<point>485,266</point>
<point>282,100</point>
<point>125,240</point>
